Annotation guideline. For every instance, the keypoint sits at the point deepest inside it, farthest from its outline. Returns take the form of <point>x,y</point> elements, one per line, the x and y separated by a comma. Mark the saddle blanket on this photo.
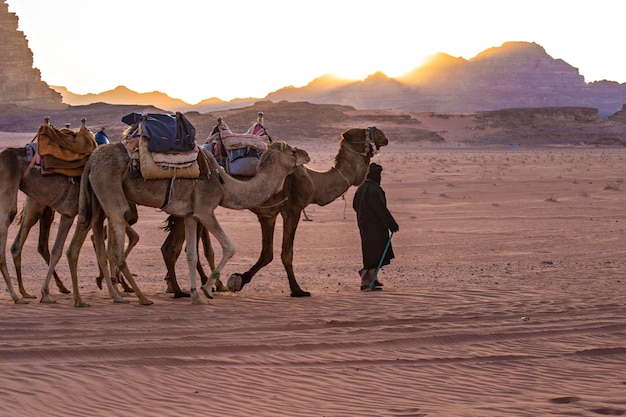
<point>153,171</point>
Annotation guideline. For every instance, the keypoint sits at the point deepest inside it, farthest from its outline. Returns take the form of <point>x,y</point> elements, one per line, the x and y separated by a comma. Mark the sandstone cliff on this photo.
<point>20,83</point>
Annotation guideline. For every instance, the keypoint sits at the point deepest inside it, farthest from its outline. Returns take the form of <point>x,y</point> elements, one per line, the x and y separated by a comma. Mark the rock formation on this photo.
<point>20,83</point>
<point>516,74</point>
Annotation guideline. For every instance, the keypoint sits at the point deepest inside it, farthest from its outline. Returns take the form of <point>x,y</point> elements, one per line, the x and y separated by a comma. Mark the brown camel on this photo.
<point>45,194</point>
<point>56,191</point>
<point>107,190</point>
<point>305,186</point>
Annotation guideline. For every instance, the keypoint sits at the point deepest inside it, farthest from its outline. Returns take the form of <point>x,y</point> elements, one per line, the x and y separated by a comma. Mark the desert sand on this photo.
<point>506,298</point>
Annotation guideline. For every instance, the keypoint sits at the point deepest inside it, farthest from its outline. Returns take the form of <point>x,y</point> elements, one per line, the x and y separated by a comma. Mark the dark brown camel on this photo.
<point>305,186</point>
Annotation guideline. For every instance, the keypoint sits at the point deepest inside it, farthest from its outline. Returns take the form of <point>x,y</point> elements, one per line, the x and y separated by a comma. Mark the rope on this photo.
<point>380,264</point>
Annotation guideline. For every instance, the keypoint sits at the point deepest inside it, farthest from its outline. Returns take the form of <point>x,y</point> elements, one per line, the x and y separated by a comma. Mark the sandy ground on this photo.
<point>506,298</point>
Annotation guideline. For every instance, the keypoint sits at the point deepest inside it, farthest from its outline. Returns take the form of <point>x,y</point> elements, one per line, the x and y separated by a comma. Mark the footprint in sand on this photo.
<point>608,411</point>
<point>564,400</point>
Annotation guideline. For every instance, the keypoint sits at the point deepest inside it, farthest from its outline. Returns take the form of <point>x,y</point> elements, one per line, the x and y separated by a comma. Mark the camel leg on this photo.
<point>290,225</point>
<point>9,187</point>
<point>45,223</point>
<point>209,255</point>
<point>133,238</point>
<point>73,251</point>
<point>116,233</point>
<point>98,238</point>
<point>30,213</point>
<point>6,218</point>
<point>57,249</point>
<point>228,249</point>
<point>268,224</point>
<point>191,236</point>
<point>170,250</point>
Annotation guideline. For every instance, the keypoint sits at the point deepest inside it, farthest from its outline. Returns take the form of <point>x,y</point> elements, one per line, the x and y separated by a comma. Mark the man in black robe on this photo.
<point>375,222</point>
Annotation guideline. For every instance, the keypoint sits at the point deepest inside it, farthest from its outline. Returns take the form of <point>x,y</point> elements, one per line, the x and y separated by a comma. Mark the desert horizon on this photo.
<point>506,297</point>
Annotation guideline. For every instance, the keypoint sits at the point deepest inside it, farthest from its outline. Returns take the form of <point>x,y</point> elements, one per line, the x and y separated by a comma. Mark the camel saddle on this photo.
<point>238,153</point>
<point>160,165</point>
<point>64,151</point>
<point>165,132</point>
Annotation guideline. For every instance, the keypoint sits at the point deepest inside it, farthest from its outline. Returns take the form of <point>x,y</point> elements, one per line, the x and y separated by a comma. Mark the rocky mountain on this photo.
<point>513,75</point>
<point>516,74</point>
<point>20,83</point>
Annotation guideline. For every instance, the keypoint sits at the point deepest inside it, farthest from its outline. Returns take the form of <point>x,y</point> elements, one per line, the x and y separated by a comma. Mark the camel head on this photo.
<point>365,141</point>
<point>284,154</point>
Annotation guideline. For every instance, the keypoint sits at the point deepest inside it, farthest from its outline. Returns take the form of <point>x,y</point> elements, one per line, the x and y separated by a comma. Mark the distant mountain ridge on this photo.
<point>515,74</point>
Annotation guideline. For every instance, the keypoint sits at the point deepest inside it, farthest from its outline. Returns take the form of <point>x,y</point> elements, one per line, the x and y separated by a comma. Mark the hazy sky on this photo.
<point>197,49</point>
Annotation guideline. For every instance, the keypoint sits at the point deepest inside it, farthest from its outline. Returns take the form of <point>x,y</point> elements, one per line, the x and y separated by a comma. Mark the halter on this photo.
<point>370,131</point>
<point>368,148</point>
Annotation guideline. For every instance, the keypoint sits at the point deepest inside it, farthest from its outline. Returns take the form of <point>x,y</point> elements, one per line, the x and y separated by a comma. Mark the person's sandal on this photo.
<point>367,288</point>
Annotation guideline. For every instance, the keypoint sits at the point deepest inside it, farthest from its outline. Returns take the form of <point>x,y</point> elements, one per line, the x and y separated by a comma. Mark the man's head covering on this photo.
<point>374,172</point>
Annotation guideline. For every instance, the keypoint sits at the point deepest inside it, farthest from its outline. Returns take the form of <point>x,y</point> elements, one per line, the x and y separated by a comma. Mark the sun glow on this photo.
<point>242,48</point>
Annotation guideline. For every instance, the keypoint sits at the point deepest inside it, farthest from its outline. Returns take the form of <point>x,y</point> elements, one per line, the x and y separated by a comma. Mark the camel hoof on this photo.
<point>235,282</point>
<point>199,301</point>
<point>300,293</point>
<point>181,294</point>
<point>27,295</point>
<point>80,304</point>
<point>47,300</point>
<point>64,290</point>
<point>195,298</point>
<point>20,301</point>
<point>145,302</point>
<point>120,301</point>
<point>207,293</point>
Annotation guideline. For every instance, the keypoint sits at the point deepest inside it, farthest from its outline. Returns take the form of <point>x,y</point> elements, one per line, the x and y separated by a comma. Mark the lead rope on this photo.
<point>343,196</point>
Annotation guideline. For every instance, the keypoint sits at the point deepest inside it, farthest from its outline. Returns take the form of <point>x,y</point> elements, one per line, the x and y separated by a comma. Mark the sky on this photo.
<point>198,49</point>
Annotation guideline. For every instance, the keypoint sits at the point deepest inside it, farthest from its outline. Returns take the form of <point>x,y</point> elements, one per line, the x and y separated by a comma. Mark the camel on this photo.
<point>106,190</point>
<point>56,191</point>
<point>45,194</point>
<point>305,186</point>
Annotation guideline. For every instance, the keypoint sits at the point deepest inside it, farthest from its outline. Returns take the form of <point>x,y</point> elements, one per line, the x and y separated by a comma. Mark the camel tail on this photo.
<point>168,223</point>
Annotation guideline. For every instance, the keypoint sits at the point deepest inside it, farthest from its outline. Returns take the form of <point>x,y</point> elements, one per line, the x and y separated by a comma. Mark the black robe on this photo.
<point>375,221</point>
